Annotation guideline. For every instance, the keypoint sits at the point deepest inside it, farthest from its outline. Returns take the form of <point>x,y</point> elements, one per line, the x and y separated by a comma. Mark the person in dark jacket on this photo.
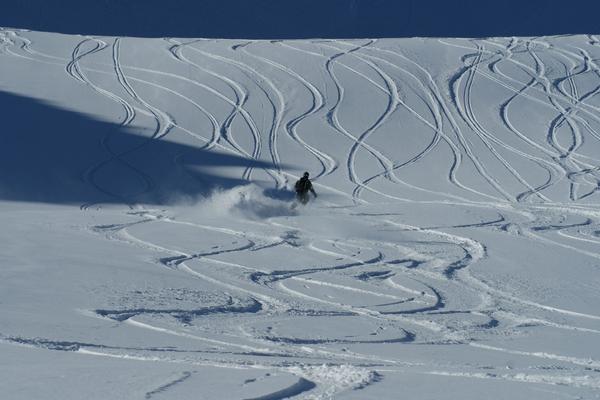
<point>303,186</point>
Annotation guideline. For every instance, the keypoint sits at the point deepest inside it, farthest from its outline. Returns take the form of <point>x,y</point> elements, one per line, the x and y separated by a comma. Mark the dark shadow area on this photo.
<point>284,19</point>
<point>52,155</point>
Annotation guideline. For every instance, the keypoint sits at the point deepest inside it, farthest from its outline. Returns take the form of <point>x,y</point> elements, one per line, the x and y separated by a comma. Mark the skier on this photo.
<point>303,186</point>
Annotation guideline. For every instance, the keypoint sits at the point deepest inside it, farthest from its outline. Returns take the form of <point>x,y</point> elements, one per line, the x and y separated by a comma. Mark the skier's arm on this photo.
<point>313,191</point>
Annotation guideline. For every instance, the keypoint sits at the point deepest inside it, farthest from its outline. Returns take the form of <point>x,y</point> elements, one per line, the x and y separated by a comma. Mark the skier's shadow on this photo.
<point>52,155</point>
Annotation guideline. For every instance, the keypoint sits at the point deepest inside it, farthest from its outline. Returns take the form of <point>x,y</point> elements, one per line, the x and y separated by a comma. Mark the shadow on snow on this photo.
<point>52,155</point>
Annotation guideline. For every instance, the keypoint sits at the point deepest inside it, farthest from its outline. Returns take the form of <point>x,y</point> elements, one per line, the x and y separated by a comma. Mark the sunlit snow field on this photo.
<point>149,248</point>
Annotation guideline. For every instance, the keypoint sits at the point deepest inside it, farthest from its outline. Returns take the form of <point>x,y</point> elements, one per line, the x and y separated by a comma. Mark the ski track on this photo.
<point>74,70</point>
<point>161,389</point>
<point>327,162</point>
<point>333,119</point>
<point>434,103</point>
<point>277,109</point>
<point>564,160</point>
<point>469,116</point>
<point>303,385</point>
<point>392,104</point>
<point>419,279</point>
<point>440,110</point>
<point>396,102</point>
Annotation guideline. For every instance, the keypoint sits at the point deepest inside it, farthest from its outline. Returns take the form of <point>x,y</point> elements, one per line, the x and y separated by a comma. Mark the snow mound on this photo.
<point>336,378</point>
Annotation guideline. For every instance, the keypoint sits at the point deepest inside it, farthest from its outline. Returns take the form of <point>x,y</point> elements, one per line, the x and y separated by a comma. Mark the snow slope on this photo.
<point>149,249</point>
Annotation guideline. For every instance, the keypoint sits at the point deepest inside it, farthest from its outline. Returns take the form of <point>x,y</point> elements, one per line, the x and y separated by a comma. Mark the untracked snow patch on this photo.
<point>248,201</point>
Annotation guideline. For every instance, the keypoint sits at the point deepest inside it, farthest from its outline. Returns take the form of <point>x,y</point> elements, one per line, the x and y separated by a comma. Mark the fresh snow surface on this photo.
<point>149,249</point>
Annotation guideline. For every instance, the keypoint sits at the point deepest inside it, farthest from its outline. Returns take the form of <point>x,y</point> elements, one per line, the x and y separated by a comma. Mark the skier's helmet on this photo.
<point>306,174</point>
